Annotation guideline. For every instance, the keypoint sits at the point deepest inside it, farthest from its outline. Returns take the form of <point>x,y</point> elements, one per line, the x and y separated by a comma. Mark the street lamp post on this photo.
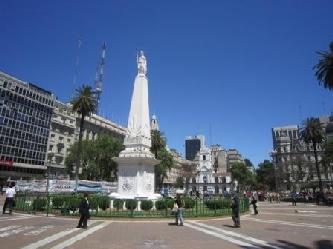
<point>47,187</point>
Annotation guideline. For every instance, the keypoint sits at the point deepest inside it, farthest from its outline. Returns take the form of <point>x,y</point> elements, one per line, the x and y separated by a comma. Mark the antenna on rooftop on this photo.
<point>99,76</point>
<point>77,61</point>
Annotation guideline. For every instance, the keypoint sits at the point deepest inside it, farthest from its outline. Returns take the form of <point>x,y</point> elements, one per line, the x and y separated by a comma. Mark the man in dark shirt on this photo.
<point>84,212</point>
<point>235,210</point>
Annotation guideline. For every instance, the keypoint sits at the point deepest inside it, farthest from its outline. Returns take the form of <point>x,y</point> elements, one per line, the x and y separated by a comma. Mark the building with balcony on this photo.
<point>65,127</point>
<point>294,160</point>
<point>233,156</point>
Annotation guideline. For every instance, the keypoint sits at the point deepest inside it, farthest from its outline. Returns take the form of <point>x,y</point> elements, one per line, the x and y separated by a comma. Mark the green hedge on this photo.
<point>218,203</point>
<point>170,203</point>
<point>131,204</point>
<point>67,203</point>
<point>146,205</point>
<point>39,204</point>
<point>160,204</point>
<point>58,201</point>
<point>118,204</point>
<point>72,203</point>
<point>104,202</point>
<point>189,202</point>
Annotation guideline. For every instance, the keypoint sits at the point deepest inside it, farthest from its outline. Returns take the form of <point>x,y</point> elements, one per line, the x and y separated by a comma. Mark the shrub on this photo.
<point>39,204</point>
<point>104,202</point>
<point>118,204</point>
<point>170,203</point>
<point>189,202</point>
<point>160,204</point>
<point>57,201</point>
<point>94,202</point>
<point>72,202</point>
<point>218,203</point>
<point>147,205</point>
<point>131,204</point>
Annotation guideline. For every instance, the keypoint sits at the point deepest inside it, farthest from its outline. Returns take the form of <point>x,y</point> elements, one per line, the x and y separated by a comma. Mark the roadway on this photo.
<point>277,226</point>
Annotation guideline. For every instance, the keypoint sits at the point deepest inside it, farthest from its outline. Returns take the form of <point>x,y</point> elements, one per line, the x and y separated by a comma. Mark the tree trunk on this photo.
<point>317,167</point>
<point>79,151</point>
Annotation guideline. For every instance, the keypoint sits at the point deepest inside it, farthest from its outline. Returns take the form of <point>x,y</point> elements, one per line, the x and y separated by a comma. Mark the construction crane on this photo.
<point>99,77</point>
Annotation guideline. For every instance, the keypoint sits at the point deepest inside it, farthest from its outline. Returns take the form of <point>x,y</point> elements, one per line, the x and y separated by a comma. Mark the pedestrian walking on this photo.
<point>293,198</point>
<point>278,197</point>
<point>235,210</point>
<point>255,206</point>
<point>84,212</point>
<point>180,209</point>
<point>9,202</point>
<point>317,195</point>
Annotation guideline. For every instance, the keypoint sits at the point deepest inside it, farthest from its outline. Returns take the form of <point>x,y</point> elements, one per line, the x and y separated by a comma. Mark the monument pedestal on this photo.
<point>136,178</point>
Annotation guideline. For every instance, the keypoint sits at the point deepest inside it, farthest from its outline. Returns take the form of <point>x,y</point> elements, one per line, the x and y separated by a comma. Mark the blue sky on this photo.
<point>230,70</point>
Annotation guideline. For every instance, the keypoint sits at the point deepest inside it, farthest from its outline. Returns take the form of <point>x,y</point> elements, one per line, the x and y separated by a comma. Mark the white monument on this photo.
<point>136,178</point>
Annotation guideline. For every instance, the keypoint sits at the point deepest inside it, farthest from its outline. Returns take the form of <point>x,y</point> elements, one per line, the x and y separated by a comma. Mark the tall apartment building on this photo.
<point>36,130</point>
<point>25,117</point>
<point>193,146</point>
<point>233,156</point>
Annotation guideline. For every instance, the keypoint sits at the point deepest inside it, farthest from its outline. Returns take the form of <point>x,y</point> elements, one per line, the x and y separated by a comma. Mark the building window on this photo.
<point>204,157</point>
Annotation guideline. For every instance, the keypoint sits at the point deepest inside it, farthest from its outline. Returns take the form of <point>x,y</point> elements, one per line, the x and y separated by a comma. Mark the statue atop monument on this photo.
<point>142,63</point>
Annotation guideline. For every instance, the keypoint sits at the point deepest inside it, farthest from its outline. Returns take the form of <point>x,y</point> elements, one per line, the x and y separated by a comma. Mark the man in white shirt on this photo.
<point>10,194</point>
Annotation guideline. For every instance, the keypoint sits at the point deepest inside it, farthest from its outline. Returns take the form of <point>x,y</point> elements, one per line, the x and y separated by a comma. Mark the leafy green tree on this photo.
<point>241,173</point>
<point>71,157</point>
<point>313,133</point>
<point>106,148</point>
<point>84,103</point>
<point>96,158</point>
<point>324,68</point>
<point>179,182</point>
<point>266,175</point>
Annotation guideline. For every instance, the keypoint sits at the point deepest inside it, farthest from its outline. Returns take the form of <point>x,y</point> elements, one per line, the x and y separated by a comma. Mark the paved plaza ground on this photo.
<point>276,226</point>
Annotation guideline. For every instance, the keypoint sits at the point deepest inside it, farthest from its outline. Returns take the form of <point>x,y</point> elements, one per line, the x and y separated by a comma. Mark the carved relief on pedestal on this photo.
<point>127,185</point>
<point>148,187</point>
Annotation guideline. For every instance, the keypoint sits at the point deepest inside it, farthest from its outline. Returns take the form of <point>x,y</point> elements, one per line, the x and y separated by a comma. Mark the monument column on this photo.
<point>136,178</point>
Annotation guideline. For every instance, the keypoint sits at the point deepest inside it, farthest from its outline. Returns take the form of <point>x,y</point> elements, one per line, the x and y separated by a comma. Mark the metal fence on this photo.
<point>103,206</point>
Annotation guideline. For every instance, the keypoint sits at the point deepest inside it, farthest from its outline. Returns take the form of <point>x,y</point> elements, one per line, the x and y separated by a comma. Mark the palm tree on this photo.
<point>83,103</point>
<point>157,142</point>
<point>313,133</point>
<point>324,68</point>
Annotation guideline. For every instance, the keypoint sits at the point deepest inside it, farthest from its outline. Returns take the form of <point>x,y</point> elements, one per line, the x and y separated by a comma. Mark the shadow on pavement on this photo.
<point>229,226</point>
<point>172,224</point>
<point>323,244</point>
<point>283,244</point>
